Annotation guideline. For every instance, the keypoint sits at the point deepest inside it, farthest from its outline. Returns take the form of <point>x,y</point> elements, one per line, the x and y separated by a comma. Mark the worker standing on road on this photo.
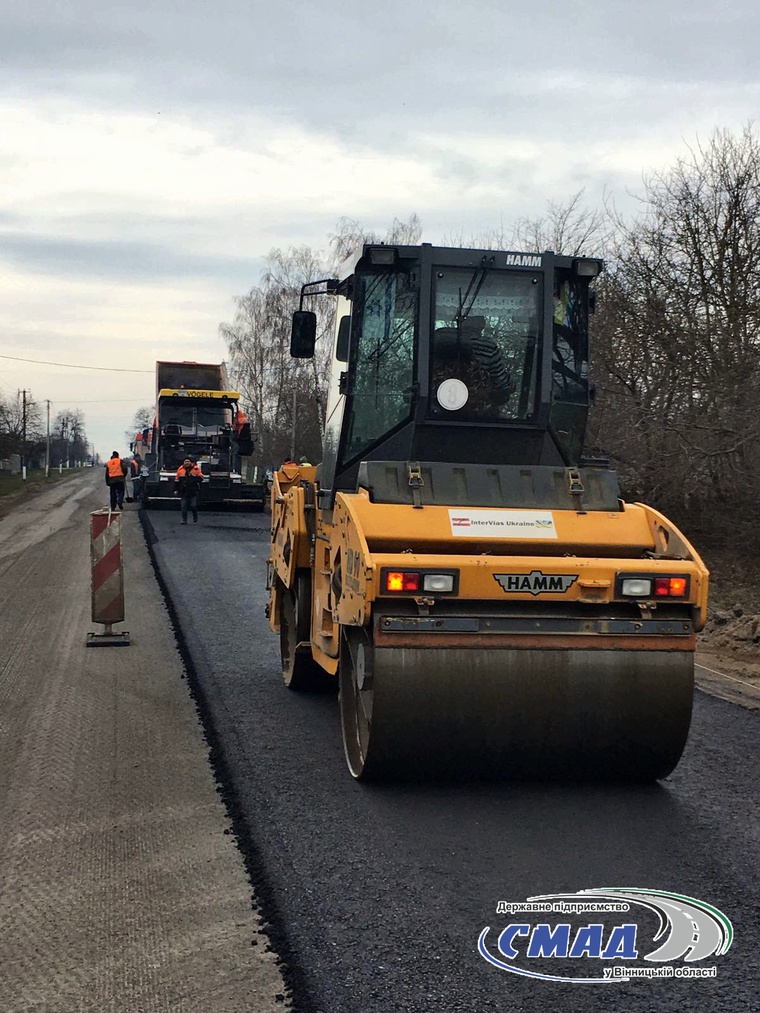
<point>135,470</point>
<point>187,484</point>
<point>115,479</point>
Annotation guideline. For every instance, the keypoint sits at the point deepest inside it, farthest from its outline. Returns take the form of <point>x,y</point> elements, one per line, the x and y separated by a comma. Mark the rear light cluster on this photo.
<point>654,587</point>
<point>416,581</point>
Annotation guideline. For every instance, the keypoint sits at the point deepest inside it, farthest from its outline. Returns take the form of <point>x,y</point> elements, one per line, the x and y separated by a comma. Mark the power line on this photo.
<point>68,365</point>
<point>102,400</point>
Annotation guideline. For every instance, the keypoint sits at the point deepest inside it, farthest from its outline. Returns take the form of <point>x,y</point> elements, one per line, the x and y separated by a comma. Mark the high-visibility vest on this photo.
<point>181,472</point>
<point>115,469</point>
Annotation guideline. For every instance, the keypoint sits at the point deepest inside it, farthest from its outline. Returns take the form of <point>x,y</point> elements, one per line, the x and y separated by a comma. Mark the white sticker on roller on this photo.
<point>452,394</point>
<point>502,523</point>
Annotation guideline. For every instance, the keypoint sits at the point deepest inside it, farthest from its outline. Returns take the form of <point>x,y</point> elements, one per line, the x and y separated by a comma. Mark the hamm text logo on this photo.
<point>536,582</point>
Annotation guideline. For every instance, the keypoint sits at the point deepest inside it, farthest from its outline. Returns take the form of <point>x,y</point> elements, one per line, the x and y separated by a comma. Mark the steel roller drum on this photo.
<point>510,713</point>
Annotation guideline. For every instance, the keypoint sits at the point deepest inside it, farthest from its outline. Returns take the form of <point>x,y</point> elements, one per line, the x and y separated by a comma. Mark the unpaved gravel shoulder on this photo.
<point>121,888</point>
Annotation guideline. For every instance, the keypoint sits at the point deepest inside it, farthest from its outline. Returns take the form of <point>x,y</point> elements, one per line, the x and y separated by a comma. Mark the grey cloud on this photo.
<point>28,49</point>
<point>376,73</point>
<point>120,261</point>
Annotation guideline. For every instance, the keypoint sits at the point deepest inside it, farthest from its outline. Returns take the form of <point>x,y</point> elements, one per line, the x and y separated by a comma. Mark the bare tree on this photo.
<point>21,428</point>
<point>141,420</point>
<point>283,396</point>
<point>287,398</point>
<point>350,235</point>
<point>570,228</point>
<point>678,334</point>
<point>68,437</point>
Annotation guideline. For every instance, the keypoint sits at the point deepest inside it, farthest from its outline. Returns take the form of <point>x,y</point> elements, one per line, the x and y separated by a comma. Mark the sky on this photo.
<point>152,154</point>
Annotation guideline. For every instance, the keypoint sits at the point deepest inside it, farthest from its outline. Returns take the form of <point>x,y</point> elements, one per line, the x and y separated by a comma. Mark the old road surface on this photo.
<point>376,896</point>
<point>121,888</point>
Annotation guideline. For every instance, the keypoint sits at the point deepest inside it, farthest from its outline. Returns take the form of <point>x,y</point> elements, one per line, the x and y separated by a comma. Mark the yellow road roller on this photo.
<point>488,603</point>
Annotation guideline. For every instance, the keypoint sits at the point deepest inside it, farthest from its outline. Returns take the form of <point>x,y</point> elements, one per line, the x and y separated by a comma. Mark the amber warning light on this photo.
<point>398,581</point>
<point>670,587</point>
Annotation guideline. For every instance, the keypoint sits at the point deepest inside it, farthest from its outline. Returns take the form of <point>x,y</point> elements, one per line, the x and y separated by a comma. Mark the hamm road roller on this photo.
<point>488,603</point>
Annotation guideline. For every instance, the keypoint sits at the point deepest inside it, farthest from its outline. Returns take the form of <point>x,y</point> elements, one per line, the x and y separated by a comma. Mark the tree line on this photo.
<point>676,335</point>
<point>677,342</point>
<point>24,433</point>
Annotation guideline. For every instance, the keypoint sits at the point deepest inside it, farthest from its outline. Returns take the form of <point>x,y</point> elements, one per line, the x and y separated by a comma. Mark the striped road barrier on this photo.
<point>107,579</point>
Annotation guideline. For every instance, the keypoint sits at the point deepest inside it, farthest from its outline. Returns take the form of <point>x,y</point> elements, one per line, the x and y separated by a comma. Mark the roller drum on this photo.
<point>510,713</point>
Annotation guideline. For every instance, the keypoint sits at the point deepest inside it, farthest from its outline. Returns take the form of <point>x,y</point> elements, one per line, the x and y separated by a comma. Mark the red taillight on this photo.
<point>402,580</point>
<point>670,587</point>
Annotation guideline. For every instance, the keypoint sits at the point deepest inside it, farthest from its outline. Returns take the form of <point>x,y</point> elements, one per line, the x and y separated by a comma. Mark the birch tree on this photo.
<point>287,398</point>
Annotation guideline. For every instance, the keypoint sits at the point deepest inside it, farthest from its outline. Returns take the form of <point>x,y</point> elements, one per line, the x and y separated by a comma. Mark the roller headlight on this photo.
<point>637,587</point>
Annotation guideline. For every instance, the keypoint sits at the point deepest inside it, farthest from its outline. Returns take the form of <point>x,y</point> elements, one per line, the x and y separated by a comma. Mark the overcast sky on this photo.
<point>151,154</point>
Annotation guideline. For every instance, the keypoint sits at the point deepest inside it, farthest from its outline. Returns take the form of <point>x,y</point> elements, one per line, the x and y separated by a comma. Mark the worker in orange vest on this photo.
<point>187,485</point>
<point>116,474</point>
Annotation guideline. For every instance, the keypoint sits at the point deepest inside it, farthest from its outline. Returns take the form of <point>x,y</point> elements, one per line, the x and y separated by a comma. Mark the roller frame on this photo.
<point>535,661</point>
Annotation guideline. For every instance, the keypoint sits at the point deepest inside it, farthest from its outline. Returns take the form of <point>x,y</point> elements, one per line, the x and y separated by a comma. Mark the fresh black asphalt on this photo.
<point>376,895</point>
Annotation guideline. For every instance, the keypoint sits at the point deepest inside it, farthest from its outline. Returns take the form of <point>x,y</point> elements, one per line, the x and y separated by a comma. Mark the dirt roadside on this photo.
<point>728,655</point>
<point>121,888</point>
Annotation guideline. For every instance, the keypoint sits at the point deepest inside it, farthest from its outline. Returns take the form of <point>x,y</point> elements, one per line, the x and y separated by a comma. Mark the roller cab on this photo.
<point>486,601</point>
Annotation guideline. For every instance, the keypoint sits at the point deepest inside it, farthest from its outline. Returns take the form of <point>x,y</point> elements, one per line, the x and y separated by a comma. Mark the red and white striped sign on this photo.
<point>107,573</point>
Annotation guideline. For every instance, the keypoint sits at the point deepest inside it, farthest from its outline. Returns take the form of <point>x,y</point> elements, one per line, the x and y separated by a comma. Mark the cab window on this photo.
<point>485,344</point>
<point>382,358</point>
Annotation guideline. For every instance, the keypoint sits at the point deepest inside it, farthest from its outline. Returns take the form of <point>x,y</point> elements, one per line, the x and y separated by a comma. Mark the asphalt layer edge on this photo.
<point>263,898</point>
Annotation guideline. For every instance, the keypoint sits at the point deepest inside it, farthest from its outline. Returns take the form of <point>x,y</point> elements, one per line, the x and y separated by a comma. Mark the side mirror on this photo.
<point>303,334</point>
<point>344,336</point>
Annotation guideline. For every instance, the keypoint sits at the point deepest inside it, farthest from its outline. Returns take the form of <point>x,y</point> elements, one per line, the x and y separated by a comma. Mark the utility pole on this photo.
<point>47,453</point>
<point>23,435</point>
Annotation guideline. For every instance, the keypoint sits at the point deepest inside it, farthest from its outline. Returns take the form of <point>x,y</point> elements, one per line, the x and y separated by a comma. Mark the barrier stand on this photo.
<point>107,579</point>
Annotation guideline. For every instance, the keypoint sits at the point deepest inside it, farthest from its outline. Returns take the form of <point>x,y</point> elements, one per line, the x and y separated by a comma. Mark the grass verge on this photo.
<point>13,488</point>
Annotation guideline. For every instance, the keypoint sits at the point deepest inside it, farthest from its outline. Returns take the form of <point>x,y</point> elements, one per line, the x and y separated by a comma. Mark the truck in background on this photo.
<point>199,416</point>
